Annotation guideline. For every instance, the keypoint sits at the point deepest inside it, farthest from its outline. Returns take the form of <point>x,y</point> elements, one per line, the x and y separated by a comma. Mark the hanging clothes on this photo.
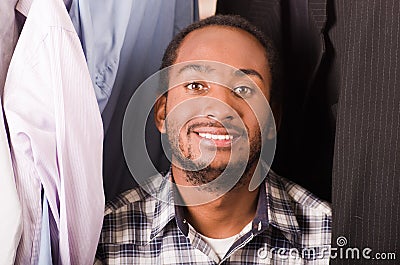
<point>56,136</point>
<point>11,226</point>
<point>45,257</point>
<point>366,172</point>
<point>101,26</point>
<point>8,37</point>
<point>10,207</point>
<point>151,26</point>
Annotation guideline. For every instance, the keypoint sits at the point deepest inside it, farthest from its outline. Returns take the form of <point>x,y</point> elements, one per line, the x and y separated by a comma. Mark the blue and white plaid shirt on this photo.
<point>291,226</point>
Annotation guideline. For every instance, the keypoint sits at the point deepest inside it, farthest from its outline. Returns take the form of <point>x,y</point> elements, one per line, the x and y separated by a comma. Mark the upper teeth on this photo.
<point>216,136</point>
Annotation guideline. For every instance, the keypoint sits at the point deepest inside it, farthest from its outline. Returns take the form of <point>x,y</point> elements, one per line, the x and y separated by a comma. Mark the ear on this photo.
<point>277,112</point>
<point>160,113</point>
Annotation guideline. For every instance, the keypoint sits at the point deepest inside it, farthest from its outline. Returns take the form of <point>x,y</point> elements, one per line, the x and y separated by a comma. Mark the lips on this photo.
<point>215,135</point>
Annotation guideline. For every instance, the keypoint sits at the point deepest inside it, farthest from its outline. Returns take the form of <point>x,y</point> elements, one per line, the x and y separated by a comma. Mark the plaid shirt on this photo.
<point>291,226</point>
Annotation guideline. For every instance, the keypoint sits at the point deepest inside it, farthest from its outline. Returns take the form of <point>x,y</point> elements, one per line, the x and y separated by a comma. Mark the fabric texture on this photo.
<point>101,27</point>
<point>222,246</point>
<point>139,229</point>
<point>366,182</point>
<point>10,207</point>
<point>56,137</point>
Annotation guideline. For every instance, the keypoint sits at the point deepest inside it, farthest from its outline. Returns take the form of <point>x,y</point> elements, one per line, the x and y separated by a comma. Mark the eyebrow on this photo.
<point>197,68</point>
<point>207,69</point>
<point>248,72</point>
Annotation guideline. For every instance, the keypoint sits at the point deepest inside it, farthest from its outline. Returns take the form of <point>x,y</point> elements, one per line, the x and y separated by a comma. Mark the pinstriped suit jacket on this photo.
<point>366,172</point>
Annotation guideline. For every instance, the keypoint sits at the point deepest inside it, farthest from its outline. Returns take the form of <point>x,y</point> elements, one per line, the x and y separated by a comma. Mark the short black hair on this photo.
<point>233,21</point>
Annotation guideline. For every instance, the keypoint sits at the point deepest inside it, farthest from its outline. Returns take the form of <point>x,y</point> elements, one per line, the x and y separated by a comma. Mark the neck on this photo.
<point>225,216</point>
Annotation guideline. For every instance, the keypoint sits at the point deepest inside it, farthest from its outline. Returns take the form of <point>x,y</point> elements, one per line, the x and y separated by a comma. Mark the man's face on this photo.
<point>216,110</point>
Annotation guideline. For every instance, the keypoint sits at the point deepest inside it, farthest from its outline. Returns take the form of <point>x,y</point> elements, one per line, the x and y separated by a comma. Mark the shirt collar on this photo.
<point>164,210</point>
<point>23,6</point>
<point>280,207</point>
<point>274,208</point>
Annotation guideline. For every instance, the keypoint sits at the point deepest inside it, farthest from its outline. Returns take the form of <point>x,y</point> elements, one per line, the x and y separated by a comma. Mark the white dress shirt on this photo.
<point>10,208</point>
<point>56,137</point>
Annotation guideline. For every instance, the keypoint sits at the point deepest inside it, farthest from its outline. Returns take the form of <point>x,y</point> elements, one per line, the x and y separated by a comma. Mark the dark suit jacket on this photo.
<point>306,137</point>
<point>366,172</point>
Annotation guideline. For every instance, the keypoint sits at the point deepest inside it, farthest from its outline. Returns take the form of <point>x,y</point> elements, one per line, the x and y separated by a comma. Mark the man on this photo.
<point>210,208</point>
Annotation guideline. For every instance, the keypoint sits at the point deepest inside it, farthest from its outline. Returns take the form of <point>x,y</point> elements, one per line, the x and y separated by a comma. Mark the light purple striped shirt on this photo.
<point>56,136</point>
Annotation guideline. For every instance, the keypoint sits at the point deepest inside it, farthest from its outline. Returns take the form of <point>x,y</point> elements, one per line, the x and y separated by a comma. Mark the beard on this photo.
<point>199,173</point>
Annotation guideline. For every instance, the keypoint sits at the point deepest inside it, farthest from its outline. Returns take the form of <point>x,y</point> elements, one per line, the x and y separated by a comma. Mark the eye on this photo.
<point>196,87</point>
<point>242,91</point>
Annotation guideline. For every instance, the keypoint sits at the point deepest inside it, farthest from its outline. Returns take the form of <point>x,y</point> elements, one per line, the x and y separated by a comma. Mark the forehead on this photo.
<point>227,45</point>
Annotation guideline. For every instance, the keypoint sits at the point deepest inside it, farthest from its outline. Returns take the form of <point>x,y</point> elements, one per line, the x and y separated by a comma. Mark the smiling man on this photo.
<point>219,203</point>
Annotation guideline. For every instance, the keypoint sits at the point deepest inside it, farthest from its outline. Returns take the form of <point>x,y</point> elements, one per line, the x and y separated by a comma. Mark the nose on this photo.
<point>219,103</point>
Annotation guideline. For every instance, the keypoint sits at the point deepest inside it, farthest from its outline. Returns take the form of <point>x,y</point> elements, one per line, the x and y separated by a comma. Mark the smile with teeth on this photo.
<point>216,136</point>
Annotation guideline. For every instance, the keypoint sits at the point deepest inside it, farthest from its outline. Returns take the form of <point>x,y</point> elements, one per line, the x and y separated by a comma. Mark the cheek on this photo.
<point>175,115</point>
<point>255,125</point>
<point>177,139</point>
<point>259,116</point>
<point>176,120</point>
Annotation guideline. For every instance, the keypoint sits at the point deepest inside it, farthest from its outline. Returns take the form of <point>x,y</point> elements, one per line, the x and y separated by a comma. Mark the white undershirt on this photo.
<point>222,245</point>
